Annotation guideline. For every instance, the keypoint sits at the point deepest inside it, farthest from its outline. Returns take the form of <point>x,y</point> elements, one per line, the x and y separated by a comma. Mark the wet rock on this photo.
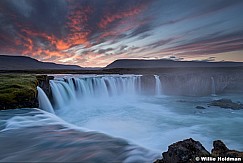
<point>227,104</point>
<point>44,83</point>
<point>184,151</point>
<point>200,107</point>
<point>220,150</point>
<point>188,151</point>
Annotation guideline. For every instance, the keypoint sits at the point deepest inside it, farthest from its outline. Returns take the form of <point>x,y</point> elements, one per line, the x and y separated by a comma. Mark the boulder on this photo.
<point>227,104</point>
<point>220,150</point>
<point>188,151</point>
<point>184,151</point>
<point>200,107</point>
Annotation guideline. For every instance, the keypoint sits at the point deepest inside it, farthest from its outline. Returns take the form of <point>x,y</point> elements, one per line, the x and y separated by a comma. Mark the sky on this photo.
<point>94,33</point>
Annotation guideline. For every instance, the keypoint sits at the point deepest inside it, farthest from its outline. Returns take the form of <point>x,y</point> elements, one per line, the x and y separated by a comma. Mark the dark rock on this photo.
<point>184,152</point>
<point>227,103</point>
<point>200,107</point>
<point>220,150</point>
<point>44,83</point>
<point>187,150</point>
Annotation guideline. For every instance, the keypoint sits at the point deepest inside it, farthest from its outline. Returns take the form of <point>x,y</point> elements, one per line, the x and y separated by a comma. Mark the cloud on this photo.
<point>209,59</point>
<point>210,45</point>
<point>92,31</point>
<point>102,51</point>
<point>123,47</point>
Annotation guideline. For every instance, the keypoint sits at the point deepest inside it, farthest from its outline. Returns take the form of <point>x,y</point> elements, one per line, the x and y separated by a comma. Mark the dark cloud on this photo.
<point>140,30</point>
<point>102,51</point>
<point>160,43</point>
<point>55,30</point>
<point>123,47</point>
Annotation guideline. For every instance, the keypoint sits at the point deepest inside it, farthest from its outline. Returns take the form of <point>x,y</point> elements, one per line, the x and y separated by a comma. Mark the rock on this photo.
<point>220,150</point>
<point>227,104</point>
<point>200,107</point>
<point>18,91</point>
<point>184,152</point>
<point>44,83</point>
<point>187,150</point>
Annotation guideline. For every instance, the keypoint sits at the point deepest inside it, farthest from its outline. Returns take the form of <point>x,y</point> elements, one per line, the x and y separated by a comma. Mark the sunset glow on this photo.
<point>94,33</point>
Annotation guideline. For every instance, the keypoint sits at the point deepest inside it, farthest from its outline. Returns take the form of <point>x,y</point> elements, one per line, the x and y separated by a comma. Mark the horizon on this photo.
<point>141,59</point>
<point>96,33</point>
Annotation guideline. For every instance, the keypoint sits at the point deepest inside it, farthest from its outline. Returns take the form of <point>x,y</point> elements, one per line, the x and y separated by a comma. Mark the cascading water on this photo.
<point>157,85</point>
<point>44,102</point>
<point>213,92</point>
<point>75,89</point>
<point>115,105</point>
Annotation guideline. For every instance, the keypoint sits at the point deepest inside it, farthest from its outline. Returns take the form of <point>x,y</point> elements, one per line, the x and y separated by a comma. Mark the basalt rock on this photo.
<point>200,107</point>
<point>220,150</point>
<point>227,104</point>
<point>184,151</point>
<point>191,151</point>
<point>44,83</point>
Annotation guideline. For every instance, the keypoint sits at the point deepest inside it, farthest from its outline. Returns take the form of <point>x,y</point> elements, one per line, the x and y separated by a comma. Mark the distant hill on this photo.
<point>28,63</point>
<point>163,63</point>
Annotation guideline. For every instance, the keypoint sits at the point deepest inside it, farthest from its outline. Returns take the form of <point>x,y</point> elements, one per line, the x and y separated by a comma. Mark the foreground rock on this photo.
<point>220,150</point>
<point>184,151</point>
<point>227,104</point>
<point>191,151</point>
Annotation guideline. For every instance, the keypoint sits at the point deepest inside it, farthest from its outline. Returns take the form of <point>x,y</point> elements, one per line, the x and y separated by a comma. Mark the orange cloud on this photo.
<point>125,14</point>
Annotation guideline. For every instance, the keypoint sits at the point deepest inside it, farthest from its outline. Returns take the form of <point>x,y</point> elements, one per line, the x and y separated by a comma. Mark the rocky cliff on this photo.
<point>19,91</point>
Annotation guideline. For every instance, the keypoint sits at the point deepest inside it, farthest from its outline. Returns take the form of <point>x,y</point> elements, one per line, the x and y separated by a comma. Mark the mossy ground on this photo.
<point>17,90</point>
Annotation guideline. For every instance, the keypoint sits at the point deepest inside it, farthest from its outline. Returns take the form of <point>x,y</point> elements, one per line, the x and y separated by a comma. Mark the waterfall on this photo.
<point>66,90</point>
<point>213,92</point>
<point>44,102</point>
<point>157,85</point>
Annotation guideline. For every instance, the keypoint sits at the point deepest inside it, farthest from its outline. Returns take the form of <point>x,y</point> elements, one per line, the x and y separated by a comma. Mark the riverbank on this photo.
<point>19,90</point>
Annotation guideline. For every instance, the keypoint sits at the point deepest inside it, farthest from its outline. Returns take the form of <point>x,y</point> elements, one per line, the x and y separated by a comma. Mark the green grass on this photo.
<point>17,88</point>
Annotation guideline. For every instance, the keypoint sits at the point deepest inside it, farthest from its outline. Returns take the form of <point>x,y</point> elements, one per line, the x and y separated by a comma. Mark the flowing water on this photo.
<point>109,118</point>
<point>158,86</point>
<point>213,87</point>
<point>44,102</point>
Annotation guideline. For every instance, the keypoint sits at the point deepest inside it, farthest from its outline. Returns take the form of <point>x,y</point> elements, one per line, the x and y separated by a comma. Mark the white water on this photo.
<point>44,102</point>
<point>114,105</point>
<point>44,134</point>
<point>213,87</point>
<point>85,88</point>
<point>158,86</point>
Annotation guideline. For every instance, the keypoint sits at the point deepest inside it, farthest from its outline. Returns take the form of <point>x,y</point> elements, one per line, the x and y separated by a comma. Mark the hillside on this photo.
<point>27,63</point>
<point>162,63</point>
